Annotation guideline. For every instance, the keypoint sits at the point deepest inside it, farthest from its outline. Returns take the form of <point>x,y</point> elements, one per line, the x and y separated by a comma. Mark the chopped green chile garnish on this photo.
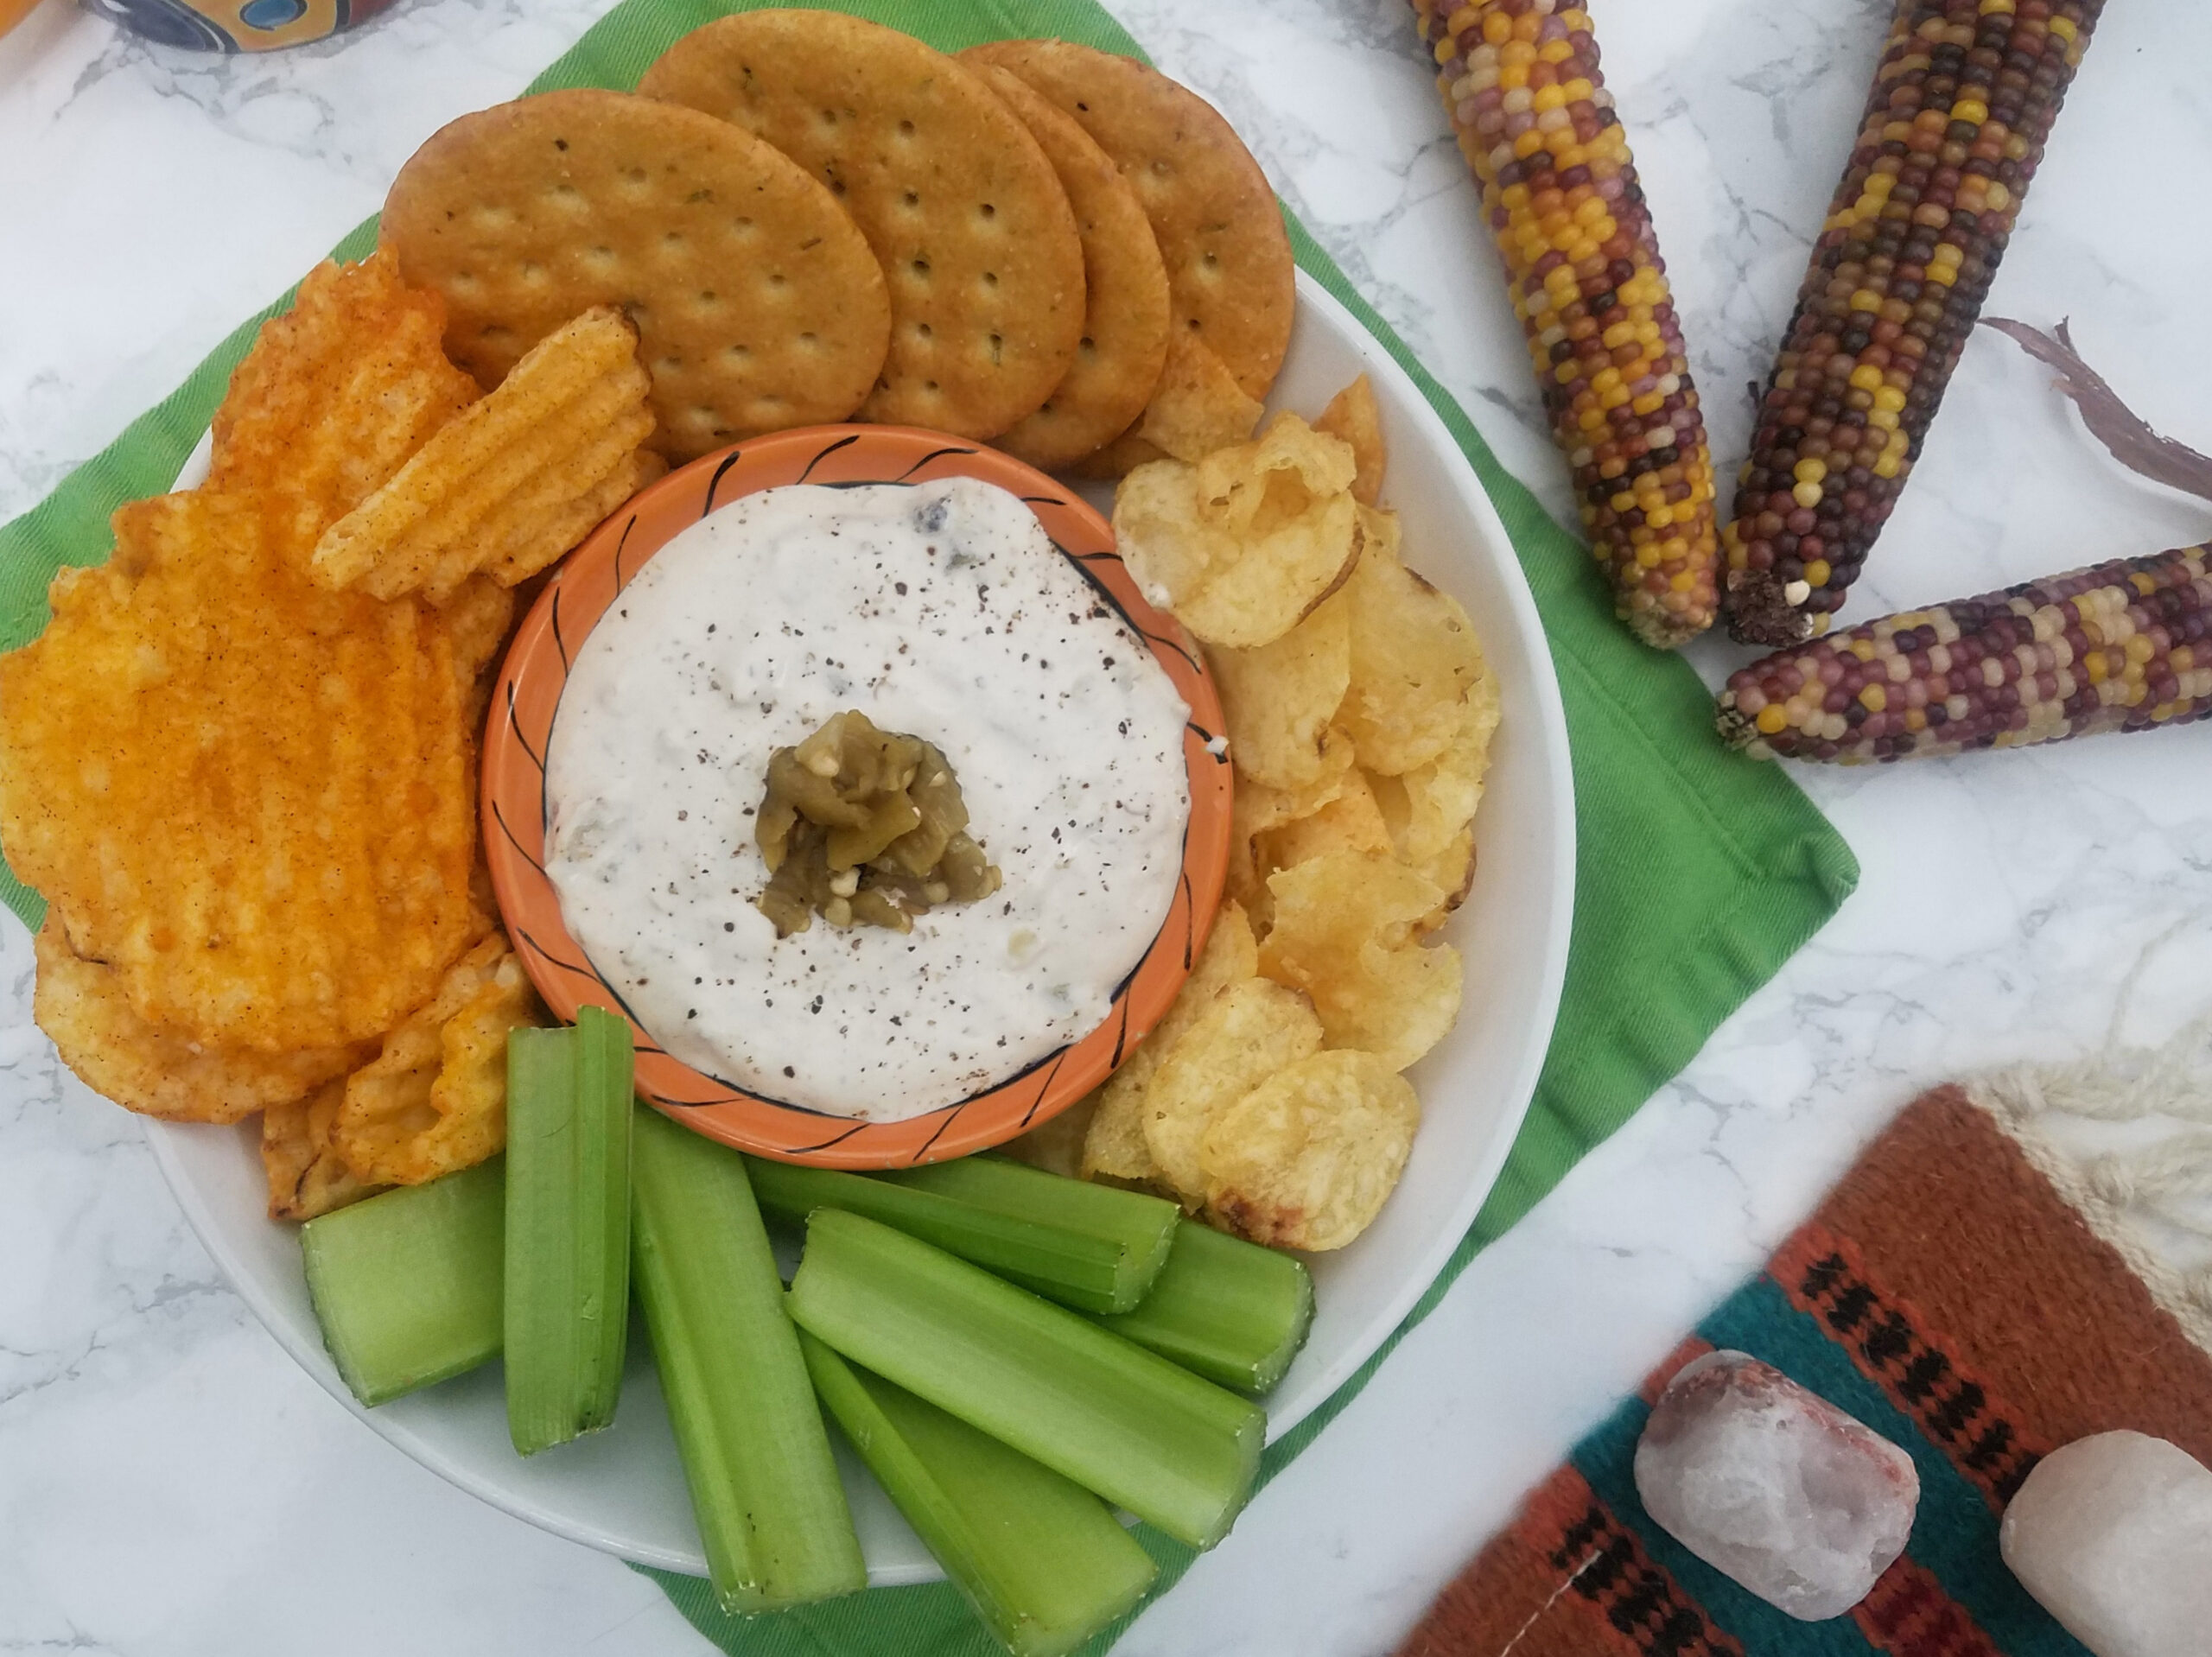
<point>865,827</point>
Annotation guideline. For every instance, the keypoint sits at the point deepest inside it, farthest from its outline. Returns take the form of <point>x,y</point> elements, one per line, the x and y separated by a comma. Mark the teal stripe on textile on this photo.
<point>1955,1535</point>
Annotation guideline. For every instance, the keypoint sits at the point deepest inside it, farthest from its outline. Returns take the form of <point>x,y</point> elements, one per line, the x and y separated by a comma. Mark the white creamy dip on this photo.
<point>939,610</point>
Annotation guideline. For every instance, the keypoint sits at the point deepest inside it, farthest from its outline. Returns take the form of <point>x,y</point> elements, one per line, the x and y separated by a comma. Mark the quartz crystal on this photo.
<point>2114,1535</point>
<point>1773,1486</point>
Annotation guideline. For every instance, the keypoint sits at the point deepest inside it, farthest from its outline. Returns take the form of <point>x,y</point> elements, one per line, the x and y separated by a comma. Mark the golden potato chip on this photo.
<point>1278,700</point>
<point>1249,543</point>
<point>1157,530</point>
<point>1353,822</point>
<point>1352,415</point>
<point>1343,932</point>
<point>1283,569</point>
<point>1429,808</point>
<point>251,797</point>
<point>506,486</point>
<point>435,1100</point>
<point>1308,1158</point>
<point>1452,872</point>
<point>307,1177</point>
<point>1197,406</point>
<point>478,617</point>
<point>143,1067</point>
<point>1255,488</point>
<point>336,394</point>
<point>1056,1145</point>
<point>1248,1033</point>
<point>1113,1140</point>
<point>1113,1143</point>
<point>1413,658</point>
<point>1255,808</point>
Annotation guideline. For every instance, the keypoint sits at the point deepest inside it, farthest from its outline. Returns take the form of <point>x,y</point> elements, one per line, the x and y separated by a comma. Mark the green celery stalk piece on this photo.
<point>1098,1259</point>
<point>1225,1308</point>
<point>568,1274</point>
<point>407,1285</point>
<point>764,1485</point>
<point>1117,1419</point>
<point>1142,1226</point>
<point>1043,1561</point>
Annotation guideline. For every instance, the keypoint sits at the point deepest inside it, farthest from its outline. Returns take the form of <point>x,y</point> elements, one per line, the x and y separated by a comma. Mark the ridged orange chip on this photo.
<point>511,484</point>
<point>299,1154</point>
<point>434,1101</point>
<point>81,1004</point>
<point>249,797</point>
<point>336,394</point>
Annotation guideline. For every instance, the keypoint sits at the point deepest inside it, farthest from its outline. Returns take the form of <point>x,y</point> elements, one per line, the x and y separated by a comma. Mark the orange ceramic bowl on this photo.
<point>526,702</point>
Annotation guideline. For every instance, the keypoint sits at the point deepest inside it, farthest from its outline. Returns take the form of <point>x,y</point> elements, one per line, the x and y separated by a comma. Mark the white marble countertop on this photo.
<point>171,1483</point>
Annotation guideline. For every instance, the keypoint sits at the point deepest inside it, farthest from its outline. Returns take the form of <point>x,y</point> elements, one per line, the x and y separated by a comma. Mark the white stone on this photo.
<point>2113,1535</point>
<point>1773,1486</point>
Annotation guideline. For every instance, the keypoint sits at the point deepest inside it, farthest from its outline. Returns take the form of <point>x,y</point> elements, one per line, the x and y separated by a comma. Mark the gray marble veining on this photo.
<point>171,1483</point>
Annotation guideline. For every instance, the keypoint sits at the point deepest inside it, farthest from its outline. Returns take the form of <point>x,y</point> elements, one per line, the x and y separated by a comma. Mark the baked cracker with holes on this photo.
<point>1126,306</point>
<point>1213,214</point>
<point>757,302</point>
<point>965,213</point>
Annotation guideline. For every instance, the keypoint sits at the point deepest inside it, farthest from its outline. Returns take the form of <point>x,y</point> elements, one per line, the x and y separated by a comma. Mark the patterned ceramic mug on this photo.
<point>235,25</point>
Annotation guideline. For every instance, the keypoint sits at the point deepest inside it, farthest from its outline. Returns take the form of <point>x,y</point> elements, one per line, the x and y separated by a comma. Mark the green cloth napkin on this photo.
<point>1698,872</point>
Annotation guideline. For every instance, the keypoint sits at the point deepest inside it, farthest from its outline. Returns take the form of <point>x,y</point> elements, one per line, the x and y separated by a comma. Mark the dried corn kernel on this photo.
<point>2122,646</point>
<point>1521,82</point>
<point>1961,106</point>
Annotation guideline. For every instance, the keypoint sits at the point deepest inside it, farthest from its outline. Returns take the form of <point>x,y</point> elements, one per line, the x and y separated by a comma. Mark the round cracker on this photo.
<point>958,201</point>
<point>1212,210</point>
<point>757,302</point>
<point>1126,306</point>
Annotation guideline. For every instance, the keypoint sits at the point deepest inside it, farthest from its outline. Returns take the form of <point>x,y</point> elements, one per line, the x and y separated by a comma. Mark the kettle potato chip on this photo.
<point>1197,406</point>
<point>1344,933</point>
<point>1352,415</point>
<point>1249,542</point>
<point>1353,822</point>
<point>1113,1143</point>
<point>1308,1158</point>
<point>1279,699</point>
<point>1413,658</point>
<point>1245,1034</point>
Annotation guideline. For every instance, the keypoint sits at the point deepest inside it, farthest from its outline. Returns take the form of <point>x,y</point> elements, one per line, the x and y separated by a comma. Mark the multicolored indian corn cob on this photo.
<point>2122,646</point>
<point>1521,80</point>
<point>1962,106</point>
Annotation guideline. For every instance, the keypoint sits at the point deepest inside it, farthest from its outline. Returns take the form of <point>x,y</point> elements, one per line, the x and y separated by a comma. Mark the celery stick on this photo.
<point>406,1285</point>
<point>1117,1419</point>
<point>1043,1561</point>
<point>1098,1259</point>
<point>1143,1226</point>
<point>567,1276</point>
<point>1225,1308</point>
<point>756,1456</point>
